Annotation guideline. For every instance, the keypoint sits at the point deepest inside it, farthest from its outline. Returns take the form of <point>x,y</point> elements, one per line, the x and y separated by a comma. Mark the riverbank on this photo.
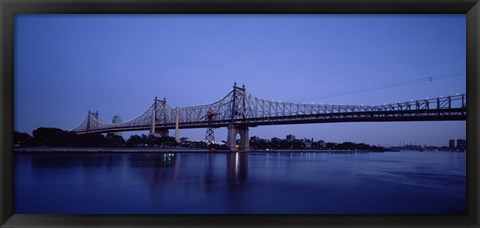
<point>165,150</point>
<point>104,150</point>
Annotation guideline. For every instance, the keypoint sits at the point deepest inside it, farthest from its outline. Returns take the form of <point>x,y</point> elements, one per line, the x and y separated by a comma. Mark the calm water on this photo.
<point>321,183</point>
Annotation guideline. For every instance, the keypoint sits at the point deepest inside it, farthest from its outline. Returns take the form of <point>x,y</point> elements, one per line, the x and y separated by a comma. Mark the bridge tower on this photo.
<point>177,119</point>
<point>91,115</point>
<point>238,117</point>
<point>154,130</point>
<point>154,116</point>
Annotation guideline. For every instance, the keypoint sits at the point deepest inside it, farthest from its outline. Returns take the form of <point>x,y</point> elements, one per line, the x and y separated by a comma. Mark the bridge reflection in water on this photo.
<point>177,167</point>
<point>253,182</point>
<point>157,170</point>
<point>237,166</point>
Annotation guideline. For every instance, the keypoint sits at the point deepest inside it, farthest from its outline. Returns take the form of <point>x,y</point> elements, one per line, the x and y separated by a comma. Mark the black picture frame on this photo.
<point>10,8</point>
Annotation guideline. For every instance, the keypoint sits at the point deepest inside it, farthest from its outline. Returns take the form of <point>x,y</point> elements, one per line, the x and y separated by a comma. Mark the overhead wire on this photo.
<point>385,86</point>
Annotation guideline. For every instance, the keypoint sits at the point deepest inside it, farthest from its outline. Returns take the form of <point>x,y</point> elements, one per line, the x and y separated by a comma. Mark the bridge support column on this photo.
<point>154,115</point>
<point>232,138</point>
<point>177,117</point>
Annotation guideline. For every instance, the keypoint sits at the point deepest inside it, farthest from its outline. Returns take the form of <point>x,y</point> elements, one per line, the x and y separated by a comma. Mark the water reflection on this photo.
<point>237,166</point>
<point>240,183</point>
<point>154,169</point>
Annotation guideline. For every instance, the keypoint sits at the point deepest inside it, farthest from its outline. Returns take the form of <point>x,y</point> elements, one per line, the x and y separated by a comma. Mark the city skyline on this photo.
<point>117,64</point>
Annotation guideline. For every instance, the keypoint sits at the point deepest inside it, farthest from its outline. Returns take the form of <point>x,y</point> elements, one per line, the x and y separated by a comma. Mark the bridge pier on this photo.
<point>232,138</point>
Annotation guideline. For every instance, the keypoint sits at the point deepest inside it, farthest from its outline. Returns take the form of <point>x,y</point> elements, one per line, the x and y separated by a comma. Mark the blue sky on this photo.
<point>66,65</point>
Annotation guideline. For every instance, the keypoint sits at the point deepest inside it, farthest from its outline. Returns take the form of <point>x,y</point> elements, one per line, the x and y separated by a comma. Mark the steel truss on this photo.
<point>242,108</point>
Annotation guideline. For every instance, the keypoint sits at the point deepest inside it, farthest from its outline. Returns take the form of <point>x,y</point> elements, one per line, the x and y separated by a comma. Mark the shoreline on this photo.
<point>170,150</point>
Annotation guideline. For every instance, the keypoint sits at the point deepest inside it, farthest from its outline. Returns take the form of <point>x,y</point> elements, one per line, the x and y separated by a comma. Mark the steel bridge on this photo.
<point>239,110</point>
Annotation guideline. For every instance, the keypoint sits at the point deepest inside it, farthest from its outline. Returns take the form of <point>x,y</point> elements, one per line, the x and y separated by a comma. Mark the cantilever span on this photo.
<point>239,110</point>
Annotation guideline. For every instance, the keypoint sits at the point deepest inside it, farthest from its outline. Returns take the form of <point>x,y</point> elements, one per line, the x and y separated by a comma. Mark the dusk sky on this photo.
<point>66,65</point>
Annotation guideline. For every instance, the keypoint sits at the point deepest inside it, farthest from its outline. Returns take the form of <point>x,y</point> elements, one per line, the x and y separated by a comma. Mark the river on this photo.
<point>405,182</point>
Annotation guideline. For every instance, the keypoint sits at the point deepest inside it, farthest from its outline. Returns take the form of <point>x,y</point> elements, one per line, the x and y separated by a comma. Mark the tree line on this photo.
<point>276,143</point>
<point>54,137</point>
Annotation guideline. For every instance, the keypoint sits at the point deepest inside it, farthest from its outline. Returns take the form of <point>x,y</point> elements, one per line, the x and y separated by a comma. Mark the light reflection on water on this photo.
<point>256,182</point>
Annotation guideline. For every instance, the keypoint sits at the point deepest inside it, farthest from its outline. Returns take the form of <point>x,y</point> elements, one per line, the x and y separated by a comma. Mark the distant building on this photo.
<point>184,140</point>
<point>321,144</point>
<point>275,139</point>
<point>290,138</point>
<point>308,143</point>
<point>116,120</point>
<point>461,144</point>
<point>254,138</point>
<point>451,144</point>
